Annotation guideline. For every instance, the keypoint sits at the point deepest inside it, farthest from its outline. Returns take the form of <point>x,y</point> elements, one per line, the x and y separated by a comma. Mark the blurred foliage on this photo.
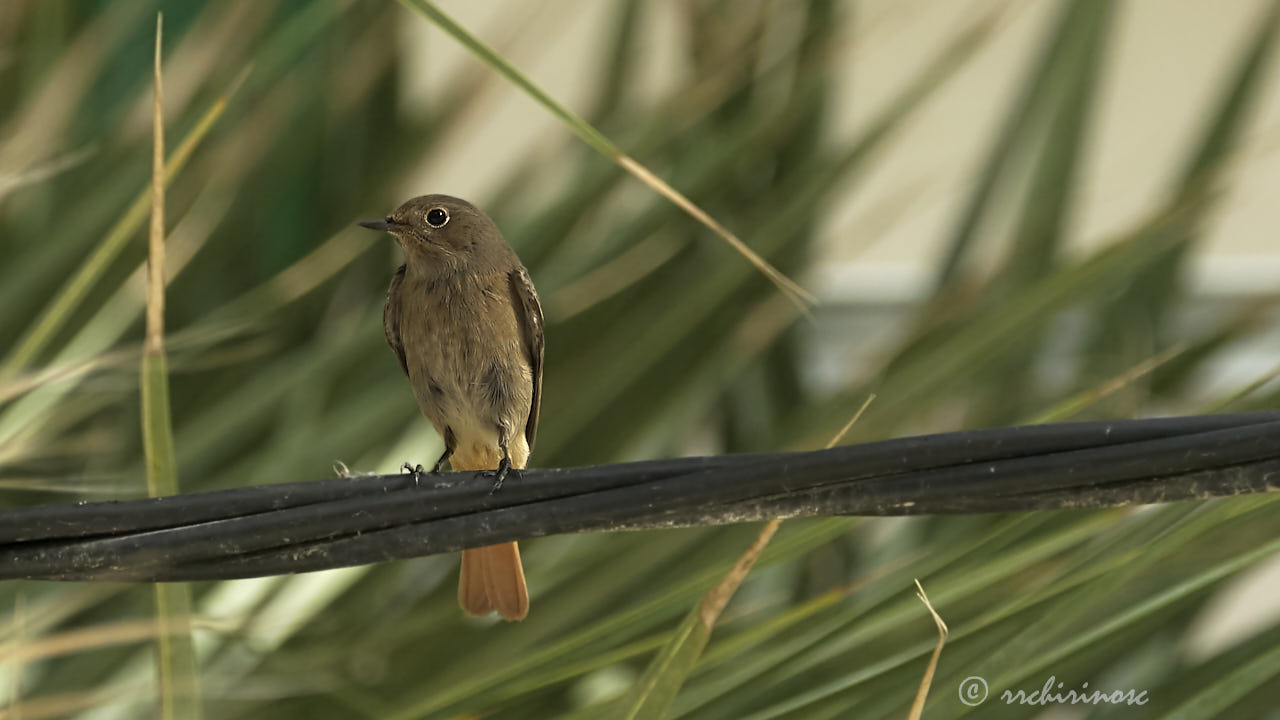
<point>660,339</point>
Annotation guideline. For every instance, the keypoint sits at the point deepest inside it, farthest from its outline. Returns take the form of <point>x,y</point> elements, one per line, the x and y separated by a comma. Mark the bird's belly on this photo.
<point>469,369</point>
<point>472,390</point>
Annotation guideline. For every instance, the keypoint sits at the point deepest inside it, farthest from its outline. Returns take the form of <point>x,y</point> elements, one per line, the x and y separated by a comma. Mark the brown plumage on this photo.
<point>463,318</point>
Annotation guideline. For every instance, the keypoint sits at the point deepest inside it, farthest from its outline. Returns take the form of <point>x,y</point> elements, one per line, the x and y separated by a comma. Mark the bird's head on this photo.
<point>442,234</point>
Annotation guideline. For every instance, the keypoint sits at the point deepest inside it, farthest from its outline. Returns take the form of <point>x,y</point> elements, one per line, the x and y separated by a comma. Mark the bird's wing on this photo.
<point>529,316</point>
<point>391,318</point>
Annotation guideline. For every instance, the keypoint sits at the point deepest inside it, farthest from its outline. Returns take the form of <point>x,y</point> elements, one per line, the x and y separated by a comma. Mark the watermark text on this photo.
<point>974,691</point>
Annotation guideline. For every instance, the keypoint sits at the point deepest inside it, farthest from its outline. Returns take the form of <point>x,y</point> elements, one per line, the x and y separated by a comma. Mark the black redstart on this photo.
<point>464,320</point>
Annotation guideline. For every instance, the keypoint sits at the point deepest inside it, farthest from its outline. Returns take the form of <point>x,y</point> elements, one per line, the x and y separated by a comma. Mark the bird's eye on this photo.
<point>437,217</point>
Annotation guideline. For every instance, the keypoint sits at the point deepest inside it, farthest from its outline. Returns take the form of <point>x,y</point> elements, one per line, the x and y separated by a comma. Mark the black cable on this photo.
<point>299,527</point>
<point>913,453</point>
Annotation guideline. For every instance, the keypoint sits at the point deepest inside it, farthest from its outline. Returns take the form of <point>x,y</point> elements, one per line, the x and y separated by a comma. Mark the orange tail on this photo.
<point>493,579</point>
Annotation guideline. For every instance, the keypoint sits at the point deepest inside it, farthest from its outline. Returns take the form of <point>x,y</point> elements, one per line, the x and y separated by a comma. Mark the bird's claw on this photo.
<point>500,474</point>
<point>415,470</point>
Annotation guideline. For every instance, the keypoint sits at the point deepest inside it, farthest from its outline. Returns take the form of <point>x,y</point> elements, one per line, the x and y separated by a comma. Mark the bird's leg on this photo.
<point>500,474</point>
<point>449,443</point>
<point>439,466</point>
<point>504,465</point>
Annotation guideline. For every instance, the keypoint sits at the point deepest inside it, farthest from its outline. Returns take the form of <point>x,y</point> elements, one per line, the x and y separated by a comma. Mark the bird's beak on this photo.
<point>379,225</point>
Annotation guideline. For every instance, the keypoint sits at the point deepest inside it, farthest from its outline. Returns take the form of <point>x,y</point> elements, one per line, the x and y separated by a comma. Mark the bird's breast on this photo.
<point>465,359</point>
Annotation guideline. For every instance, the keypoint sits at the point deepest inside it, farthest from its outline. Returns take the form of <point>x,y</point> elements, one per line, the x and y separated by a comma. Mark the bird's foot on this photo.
<point>416,470</point>
<point>500,474</point>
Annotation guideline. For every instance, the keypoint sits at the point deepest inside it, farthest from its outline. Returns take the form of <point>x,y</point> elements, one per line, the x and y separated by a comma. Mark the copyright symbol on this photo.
<point>973,690</point>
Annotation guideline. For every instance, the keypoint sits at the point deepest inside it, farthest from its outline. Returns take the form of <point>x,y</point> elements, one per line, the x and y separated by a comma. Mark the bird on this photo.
<point>464,320</point>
